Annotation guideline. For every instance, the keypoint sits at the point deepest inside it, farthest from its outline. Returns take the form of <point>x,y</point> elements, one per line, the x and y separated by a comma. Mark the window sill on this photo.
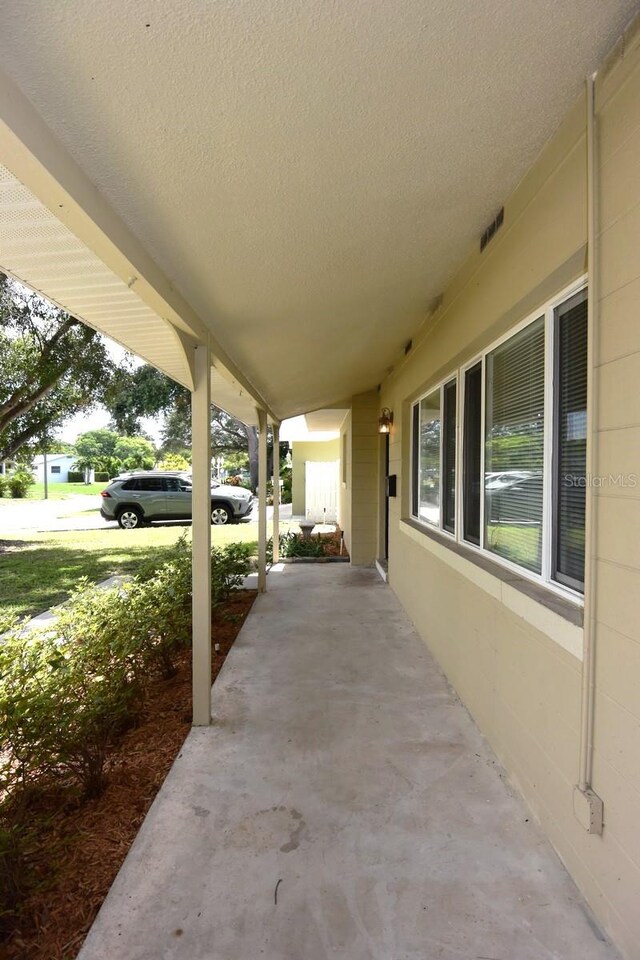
<point>557,617</point>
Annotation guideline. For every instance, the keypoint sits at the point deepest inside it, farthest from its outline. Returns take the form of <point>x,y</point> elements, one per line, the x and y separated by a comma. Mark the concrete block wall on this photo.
<point>517,669</point>
<point>362,487</point>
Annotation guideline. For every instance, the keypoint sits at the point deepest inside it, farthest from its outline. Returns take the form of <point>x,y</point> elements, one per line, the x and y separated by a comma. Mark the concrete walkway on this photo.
<point>343,805</point>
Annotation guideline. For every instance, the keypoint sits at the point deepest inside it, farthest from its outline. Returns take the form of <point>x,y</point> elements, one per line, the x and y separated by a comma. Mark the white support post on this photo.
<point>262,501</point>
<point>276,492</point>
<point>201,527</point>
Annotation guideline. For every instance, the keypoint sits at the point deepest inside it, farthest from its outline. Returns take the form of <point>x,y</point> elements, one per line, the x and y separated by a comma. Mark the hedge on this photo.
<point>76,476</point>
<point>68,693</point>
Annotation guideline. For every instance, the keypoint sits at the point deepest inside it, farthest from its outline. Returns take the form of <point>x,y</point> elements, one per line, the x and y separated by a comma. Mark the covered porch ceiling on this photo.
<point>297,181</point>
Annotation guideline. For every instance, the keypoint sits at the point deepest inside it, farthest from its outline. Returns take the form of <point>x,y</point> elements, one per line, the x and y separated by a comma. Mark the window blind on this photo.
<point>472,453</point>
<point>570,454</point>
<point>514,448</point>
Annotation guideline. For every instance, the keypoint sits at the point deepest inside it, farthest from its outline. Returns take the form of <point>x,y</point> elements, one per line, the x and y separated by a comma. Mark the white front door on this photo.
<point>321,491</point>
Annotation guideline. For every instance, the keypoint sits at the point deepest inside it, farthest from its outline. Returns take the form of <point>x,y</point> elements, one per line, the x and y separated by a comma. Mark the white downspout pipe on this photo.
<point>201,527</point>
<point>276,492</point>
<point>262,501</point>
<point>587,805</point>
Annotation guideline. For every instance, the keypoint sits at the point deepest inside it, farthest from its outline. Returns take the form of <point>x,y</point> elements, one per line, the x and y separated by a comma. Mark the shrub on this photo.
<point>19,483</point>
<point>4,484</point>
<point>21,664</point>
<point>161,609</point>
<point>285,491</point>
<point>95,685</point>
<point>13,871</point>
<point>295,545</point>
<point>100,476</point>
<point>229,566</point>
<point>66,696</point>
<point>75,476</point>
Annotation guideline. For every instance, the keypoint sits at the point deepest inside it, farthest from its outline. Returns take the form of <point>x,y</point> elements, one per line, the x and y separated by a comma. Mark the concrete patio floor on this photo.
<point>342,805</point>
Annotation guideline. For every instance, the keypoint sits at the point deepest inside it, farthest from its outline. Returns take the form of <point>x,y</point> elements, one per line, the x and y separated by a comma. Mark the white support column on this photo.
<point>276,492</point>
<point>262,501</point>
<point>201,527</point>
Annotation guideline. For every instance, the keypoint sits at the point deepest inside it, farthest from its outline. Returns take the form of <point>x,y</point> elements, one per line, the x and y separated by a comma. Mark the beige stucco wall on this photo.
<point>303,450</point>
<point>515,665</point>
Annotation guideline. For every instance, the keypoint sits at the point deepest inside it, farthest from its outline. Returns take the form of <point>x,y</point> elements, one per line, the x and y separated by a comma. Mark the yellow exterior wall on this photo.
<point>520,674</point>
<point>344,492</point>
<point>359,490</point>
<point>303,450</point>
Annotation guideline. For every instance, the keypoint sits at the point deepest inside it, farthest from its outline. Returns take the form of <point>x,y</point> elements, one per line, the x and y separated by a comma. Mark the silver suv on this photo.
<point>139,498</point>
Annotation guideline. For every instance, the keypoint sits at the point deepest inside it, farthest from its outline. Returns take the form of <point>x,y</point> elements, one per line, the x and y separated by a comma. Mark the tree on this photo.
<point>174,461</point>
<point>95,450</point>
<point>149,393</point>
<point>146,392</point>
<point>135,453</point>
<point>52,366</point>
<point>105,450</point>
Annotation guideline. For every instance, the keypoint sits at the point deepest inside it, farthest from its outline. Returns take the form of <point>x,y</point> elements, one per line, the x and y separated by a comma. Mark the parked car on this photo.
<point>141,497</point>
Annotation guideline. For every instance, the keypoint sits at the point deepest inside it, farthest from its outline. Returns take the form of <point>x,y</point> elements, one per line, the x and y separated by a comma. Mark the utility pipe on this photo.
<point>590,555</point>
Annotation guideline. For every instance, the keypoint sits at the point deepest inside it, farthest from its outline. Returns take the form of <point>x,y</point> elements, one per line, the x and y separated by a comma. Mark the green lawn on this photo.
<point>38,570</point>
<point>57,491</point>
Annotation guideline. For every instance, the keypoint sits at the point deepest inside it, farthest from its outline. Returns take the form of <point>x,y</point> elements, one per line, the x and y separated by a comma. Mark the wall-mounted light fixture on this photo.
<point>385,421</point>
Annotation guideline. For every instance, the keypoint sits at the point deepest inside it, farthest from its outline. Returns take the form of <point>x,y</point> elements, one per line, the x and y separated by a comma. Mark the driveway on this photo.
<point>78,512</point>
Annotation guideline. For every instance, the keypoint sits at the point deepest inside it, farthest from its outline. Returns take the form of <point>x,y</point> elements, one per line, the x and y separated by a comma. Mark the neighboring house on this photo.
<point>58,467</point>
<point>504,499</point>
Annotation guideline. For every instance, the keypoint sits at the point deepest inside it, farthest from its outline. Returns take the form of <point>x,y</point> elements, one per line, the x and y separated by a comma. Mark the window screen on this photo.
<point>570,454</point>
<point>514,448</point>
<point>472,452</point>
<point>55,470</point>
<point>449,457</point>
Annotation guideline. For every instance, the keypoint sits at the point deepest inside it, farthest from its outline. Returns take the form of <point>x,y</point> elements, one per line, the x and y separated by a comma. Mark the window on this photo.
<point>570,451</point>
<point>176,485</point>
<point>449,456</point>
<point>472,453</point>
<point>434,460</point>
<point>521,487</point>
<point>144,483</point>
<point>514,447</point>
<point>429,505</point>
<point>150,483</point>
<point>55,469</point>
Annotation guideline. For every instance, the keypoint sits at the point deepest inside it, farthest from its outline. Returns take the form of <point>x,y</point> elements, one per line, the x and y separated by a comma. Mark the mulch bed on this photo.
<point>331,543</point>
<point>79,847</point>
